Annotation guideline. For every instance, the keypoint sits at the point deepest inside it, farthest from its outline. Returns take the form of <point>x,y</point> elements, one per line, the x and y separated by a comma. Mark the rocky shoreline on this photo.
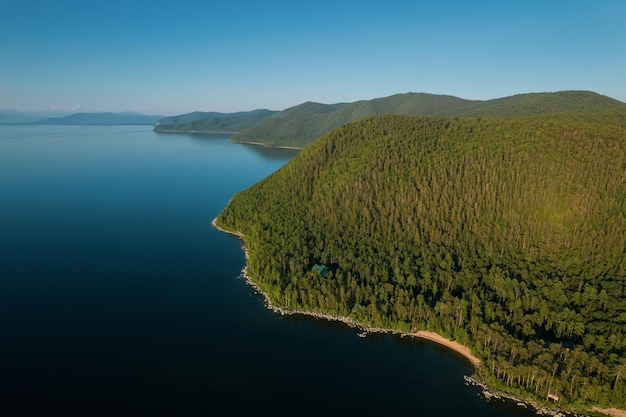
<point>488,393</point>
<point>265,145</point>
<point>194,132</point>
<point>422,334</point>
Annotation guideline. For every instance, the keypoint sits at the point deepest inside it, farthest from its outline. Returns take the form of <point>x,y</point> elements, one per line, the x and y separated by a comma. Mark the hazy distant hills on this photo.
<point>64,118</point>
<point>302,124</point>
<point>125,118</point>
<point>212,122</point>
<point>18,117</point>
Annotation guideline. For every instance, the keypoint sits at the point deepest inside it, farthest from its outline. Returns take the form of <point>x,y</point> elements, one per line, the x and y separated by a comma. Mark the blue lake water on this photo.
<point>118,297</point>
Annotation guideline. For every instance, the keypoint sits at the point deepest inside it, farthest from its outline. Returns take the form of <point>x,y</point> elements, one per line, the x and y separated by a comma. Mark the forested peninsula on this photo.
<point>211,122</point>
<point>504,234</point>
<point>298,126</point>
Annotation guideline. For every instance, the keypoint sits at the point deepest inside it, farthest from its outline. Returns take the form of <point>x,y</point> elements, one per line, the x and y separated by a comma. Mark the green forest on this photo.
<point>211,122</point>
<point>505,234</point>
<point>300,125</point>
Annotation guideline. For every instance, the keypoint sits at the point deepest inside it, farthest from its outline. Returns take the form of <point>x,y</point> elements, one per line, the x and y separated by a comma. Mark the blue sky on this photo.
<point>172,57</point>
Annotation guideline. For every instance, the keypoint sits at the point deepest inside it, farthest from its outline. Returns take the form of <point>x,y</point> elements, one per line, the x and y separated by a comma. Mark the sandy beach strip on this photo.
<point>613,412</point>
<point>452,344</point>
<point>423,334</point>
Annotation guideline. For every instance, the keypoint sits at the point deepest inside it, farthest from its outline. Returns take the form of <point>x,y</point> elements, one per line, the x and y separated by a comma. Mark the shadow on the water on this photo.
<point>272,153</point>
<point>267,153</point>
<point>202,138</point>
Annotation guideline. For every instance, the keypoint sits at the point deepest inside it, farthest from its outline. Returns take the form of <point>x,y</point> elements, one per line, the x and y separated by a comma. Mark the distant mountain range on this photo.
<point>18,117</point>
<point>62,118</point>
<point>300,125</point>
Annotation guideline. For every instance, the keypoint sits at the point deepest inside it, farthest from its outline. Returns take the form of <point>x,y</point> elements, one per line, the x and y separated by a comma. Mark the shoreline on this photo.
<point>265,146</point>
<point>420,334</point>
<point>451,344</point>
<point>215,132</point>
<point>455,346</point>
<point>194,132</point>
<point>613,412</point>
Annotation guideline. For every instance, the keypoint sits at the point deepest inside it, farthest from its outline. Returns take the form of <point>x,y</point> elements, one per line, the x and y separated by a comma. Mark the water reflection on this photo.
<point>272,153</point>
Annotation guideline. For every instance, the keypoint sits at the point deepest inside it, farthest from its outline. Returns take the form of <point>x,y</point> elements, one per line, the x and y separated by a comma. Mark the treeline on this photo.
<point>300,125</point>
<point>212,122</point>
<point>505,234</point>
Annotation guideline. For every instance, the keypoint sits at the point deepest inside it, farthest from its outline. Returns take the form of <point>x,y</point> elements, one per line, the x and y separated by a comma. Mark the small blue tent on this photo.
<point>323,269</point>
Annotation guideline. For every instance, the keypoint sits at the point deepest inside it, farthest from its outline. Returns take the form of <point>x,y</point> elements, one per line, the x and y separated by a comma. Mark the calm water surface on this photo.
<point>117,297</point>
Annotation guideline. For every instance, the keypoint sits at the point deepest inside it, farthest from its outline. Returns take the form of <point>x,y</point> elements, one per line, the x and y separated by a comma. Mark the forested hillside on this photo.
<point>212,122</point>
<point>300,125</point>
<point>507,235</point>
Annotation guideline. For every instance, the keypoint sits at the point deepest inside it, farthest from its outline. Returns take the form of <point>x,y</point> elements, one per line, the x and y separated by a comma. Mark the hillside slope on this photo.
<point>300,125</point>
<point>507,235</point>
<point>212,122</point>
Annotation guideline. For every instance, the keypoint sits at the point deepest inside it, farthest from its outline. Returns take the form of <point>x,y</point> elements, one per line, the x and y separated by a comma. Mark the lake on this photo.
<point>118,297</point>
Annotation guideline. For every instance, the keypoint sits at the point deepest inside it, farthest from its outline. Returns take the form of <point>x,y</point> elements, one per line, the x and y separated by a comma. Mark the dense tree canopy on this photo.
<point>212,122</point>
<point>505,234</point>
<point>300,125</point>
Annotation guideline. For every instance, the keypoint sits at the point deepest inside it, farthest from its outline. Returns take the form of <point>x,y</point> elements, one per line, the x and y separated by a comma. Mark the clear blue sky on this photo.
<point>177,56</point>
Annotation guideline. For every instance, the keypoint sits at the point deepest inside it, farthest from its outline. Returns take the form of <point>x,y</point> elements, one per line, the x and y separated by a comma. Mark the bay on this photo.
<point>118,297</point>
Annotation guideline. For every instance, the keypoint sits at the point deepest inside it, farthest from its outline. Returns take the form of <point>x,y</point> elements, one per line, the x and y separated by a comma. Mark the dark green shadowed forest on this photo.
<point>507,235</point>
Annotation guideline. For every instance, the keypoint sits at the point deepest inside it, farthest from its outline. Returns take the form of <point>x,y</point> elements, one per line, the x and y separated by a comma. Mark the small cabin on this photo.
<point>553,397</point>
<point>323,269</point>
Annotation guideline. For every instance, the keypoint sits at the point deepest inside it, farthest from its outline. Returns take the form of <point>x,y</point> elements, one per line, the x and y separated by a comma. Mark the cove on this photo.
<point>118,297</point>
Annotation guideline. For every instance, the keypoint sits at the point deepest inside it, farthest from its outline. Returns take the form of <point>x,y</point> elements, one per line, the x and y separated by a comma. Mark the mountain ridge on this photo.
<point>212,122</point>
<point>300,125</point>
